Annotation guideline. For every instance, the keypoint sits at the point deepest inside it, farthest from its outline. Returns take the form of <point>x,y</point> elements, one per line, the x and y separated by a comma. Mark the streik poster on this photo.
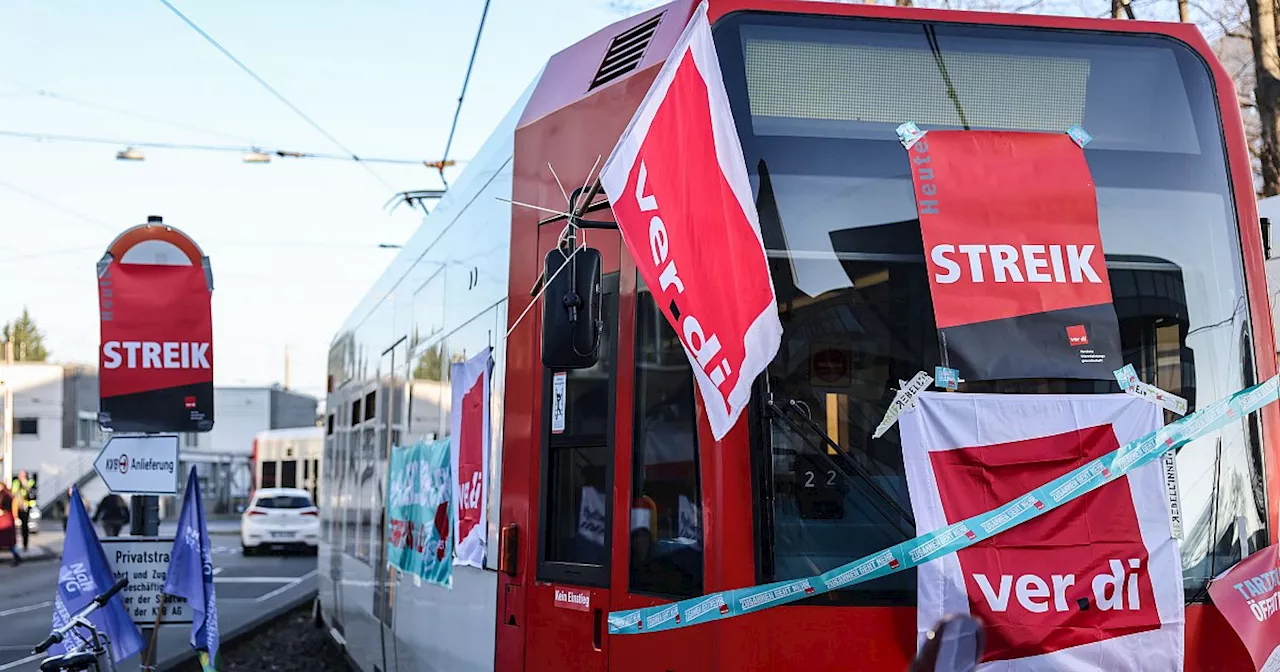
<point>1095,584</point>
<point>419,539</point>
<point>1014,256</point>
<point>156,359</point>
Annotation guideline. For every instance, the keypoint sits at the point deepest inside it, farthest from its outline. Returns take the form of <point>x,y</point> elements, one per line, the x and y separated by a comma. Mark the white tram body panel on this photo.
<point>442,300</point>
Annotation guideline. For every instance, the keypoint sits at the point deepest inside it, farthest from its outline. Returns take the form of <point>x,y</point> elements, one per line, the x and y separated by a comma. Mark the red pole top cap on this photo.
<point>155,243</point>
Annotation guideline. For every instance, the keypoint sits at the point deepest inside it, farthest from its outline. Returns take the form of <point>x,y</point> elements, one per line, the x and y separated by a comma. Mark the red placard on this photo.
<point>1249,598</point>
<point>1014,256</point>
<point>155,357</point>
<point>573,598</point>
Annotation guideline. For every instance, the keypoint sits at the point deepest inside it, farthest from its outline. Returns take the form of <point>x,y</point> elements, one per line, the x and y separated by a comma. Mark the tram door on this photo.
<point>568,605</point>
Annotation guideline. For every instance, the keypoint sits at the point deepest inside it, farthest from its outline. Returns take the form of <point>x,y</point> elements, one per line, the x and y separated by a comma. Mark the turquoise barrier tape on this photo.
<point>952,538</point>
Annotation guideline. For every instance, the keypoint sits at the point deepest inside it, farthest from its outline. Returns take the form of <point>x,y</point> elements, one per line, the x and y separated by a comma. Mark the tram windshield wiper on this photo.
<point>880,499</point>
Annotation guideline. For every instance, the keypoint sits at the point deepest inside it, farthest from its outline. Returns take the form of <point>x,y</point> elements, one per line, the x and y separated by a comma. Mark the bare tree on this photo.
<point>1227,27</point>
<point>1266,70</point>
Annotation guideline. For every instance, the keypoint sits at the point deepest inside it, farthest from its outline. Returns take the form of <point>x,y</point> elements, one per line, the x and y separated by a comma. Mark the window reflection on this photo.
<point>579,460</point>
<point>666,512</point>
<point>429,393</point>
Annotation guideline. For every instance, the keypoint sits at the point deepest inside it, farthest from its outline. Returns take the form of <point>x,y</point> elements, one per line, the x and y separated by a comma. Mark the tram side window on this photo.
<point>269,474</point>
<point>666,507</point>
<point>578,465</point>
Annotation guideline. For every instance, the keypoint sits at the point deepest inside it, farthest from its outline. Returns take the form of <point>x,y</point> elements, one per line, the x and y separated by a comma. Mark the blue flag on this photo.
<point>84,575</point>
<point>191,573</point>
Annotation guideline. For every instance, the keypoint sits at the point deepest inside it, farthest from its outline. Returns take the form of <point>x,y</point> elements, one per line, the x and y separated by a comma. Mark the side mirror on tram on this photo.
<point>955,644</point>
<point>571,320</point>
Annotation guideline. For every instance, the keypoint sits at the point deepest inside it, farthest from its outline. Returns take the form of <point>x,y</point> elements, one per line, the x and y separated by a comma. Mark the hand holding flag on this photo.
<point>191,573</point>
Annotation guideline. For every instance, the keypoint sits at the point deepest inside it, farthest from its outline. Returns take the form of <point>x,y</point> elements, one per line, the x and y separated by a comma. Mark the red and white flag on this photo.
<point>1095,584</point>
<point>680,192</point>
<point>469,453</point>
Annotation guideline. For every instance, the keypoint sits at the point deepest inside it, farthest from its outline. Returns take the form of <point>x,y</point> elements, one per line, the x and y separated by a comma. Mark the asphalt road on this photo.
<point>246,588</point>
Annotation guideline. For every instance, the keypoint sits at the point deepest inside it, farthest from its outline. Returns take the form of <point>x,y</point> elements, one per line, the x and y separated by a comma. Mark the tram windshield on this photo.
<point>816,101</point>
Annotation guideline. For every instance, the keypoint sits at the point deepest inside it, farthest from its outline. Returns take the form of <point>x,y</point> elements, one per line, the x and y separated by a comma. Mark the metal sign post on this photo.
<point>155,381</point>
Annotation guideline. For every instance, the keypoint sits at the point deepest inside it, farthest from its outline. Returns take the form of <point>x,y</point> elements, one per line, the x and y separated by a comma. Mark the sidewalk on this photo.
<point>47,543</point>
<point>169,528</point>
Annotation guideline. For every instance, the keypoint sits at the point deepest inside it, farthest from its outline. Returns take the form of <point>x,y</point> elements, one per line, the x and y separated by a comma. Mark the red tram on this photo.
<point>619,497</point>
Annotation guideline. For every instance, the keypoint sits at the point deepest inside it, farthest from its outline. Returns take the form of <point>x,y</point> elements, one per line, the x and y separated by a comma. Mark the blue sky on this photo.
<point>293,243</point>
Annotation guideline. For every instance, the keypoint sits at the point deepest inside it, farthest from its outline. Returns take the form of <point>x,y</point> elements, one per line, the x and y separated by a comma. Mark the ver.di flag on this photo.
<point>1095,584</point>
<point>84,575</point>
<point>679,189</point>
<point>1016,269</point>
<point>190,573</point>
<point>469,455</point>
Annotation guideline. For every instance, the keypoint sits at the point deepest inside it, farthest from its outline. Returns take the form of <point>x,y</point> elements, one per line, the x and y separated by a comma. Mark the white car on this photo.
<point>284,518</point>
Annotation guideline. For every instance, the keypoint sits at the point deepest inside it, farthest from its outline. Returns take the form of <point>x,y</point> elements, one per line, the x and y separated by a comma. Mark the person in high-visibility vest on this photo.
<point>24,494</point>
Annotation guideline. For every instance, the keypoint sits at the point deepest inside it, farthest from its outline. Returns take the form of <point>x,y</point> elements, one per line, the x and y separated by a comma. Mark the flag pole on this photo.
<point>149,660</point>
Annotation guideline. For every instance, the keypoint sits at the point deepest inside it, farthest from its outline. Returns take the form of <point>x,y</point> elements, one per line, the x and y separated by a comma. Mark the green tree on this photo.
<point>28,342</point>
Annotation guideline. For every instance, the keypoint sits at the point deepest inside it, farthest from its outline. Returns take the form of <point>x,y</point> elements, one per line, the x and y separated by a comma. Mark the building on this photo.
<point>56,434</point>
<point>55,430</point>
<point>223,456</point>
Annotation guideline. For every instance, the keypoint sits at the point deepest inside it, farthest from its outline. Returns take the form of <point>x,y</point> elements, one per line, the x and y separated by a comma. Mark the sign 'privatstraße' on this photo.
<point>145,562</point>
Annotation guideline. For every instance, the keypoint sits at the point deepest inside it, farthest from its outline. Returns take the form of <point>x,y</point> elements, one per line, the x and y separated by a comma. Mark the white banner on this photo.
<point>1095,584</point>
<point>469,452</point>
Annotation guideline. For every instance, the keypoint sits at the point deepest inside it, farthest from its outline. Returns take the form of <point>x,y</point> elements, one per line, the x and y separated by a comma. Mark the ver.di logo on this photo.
<point>1043,586</point>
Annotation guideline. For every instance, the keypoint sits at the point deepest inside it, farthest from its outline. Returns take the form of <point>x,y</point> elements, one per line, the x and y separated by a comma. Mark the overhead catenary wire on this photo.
<point>27,89</point>
<point>279,96</point>
<point>57,206</point>
<point>457,112</point>
<point>347,246</point>
<point>58,137</point>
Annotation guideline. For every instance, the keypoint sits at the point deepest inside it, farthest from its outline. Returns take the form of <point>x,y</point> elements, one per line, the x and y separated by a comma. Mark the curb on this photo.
<point>38,554</point>
<point>174,661</point>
